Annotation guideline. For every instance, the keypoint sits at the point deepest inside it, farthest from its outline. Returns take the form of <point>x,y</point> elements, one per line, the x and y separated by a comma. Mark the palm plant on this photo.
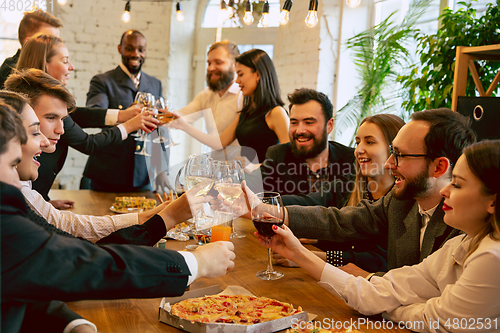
<point>378,54</point>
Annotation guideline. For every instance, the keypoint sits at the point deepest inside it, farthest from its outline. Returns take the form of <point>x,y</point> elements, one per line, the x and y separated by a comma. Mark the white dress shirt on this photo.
<point>89,227</point>
<point>438,293</point>
<point>224,109</point>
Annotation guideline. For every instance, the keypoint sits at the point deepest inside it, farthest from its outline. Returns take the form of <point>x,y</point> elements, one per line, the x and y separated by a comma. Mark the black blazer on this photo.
<point>115,90</point>
<point>74,136</point>
<point>39,266</point>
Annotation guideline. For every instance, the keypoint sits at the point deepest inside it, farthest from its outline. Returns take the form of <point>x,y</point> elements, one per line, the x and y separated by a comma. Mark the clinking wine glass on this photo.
<point>267,210</point>
<point>199,169</point>
<point>228,178</point>
<point>165,115</point>
<point>148,102</point>
<point>143,99</point>
<point>143,136</point>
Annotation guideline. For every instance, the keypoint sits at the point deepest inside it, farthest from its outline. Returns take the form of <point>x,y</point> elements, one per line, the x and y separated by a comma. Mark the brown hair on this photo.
<point>11,126</point>
<point>483,159</point>
<point>38,51</point>
<point>390,125</point>
<point>231,48</point>
<point>34,83</point>
<point>33,21</point>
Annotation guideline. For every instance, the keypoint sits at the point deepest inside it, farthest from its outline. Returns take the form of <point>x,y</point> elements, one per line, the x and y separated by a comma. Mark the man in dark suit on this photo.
<point>309,162</point>
<point>120,169</point>
<point>38,265</point>
<point>411,215</point>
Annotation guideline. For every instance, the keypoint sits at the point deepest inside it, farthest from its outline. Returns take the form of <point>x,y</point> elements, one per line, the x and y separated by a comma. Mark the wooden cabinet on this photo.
<point>464,62</point>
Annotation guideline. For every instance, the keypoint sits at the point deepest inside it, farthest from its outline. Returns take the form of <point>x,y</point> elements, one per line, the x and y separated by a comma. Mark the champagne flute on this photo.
<point>229,175</point>
<point>267,210</point>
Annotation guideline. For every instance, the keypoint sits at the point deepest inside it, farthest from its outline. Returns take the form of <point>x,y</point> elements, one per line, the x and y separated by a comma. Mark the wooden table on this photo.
<point>141,315</point>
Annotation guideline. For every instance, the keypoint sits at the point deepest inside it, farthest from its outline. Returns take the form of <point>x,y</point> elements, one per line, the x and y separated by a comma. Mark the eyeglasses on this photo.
<point>397,156</point>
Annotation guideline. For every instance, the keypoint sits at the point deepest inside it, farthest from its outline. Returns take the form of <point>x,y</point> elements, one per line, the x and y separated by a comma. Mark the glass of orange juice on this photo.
<point>221,233</point>
<point>222,230</point>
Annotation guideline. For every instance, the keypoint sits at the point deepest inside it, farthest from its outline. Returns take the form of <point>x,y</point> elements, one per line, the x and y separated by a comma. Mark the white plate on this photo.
<point>125,210</point>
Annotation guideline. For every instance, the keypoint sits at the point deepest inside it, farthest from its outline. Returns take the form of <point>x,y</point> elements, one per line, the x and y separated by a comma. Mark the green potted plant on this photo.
<point>428,85</point>
<point>379,55</point>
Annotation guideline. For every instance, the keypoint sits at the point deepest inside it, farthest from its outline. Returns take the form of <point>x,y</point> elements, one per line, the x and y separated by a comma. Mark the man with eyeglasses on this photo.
<point>410,216</point>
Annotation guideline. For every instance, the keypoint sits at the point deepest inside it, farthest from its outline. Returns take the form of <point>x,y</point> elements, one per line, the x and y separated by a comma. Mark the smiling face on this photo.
<point>308,130</point>
<point>28,168</point>
<point>133,51</point>
<point>59,66</point>
<point>247,79</point>
<point>51,111</point>
<point>372,150</point>
<point>9,161</point>
<point>466,205</point>
<point>220,69</point>
<point>412,174</point>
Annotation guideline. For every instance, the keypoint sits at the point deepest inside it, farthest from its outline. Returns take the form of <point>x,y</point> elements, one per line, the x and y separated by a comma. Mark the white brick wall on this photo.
<point>92,30</point>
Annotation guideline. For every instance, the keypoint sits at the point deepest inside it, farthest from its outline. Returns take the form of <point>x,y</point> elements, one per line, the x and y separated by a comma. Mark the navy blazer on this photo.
<point>115,90</point>
<point>39,266</point>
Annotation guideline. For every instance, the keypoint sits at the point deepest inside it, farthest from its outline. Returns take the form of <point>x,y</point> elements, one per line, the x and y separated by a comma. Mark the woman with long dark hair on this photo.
<point>262,121</point>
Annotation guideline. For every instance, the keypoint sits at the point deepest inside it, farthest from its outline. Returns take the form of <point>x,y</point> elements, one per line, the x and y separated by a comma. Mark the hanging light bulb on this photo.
<point>285,12</point>
<point>248,18</point>
<point>62,2</point>
<point>224,10</point>
<point>353,3</point>
<point>264,19</point>
<point>179,15</point>
<point>126,13</point>
<point>230,9</point>
<point>312,16</point>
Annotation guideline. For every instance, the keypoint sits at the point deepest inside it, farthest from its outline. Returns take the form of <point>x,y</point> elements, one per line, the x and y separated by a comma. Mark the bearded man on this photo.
<point>222,96</point>
<point>309,162</point>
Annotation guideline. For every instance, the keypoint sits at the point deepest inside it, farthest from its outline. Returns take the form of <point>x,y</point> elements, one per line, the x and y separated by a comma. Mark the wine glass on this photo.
<point>165,115</point>
<point>177,233</point>
<point>199,169</point>
<point>228,178</point>
<point>146,100</point>
<point>267,210</point>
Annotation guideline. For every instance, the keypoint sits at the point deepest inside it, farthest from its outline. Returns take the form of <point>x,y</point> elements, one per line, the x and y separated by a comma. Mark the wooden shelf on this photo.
<point>464,62</point>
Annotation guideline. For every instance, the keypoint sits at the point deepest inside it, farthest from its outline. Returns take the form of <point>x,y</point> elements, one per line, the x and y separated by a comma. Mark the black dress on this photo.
<point>254,135</point>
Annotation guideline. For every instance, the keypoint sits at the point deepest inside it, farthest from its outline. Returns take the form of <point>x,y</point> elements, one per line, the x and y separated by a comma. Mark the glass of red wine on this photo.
<point>267,210</point>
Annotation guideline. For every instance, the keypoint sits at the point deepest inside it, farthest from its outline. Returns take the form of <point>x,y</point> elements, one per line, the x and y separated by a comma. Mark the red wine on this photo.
<point>265,225</point>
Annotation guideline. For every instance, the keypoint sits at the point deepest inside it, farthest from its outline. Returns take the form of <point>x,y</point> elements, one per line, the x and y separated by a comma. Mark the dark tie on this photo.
<point>141,177</point>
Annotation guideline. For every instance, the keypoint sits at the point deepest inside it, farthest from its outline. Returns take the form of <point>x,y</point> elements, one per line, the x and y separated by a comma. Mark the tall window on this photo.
<point>212,12</point>
<point>11,14</point>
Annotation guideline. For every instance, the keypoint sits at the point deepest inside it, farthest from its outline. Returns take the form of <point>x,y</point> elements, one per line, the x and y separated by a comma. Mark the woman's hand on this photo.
<point>178,122</point>
<point>283,242</point>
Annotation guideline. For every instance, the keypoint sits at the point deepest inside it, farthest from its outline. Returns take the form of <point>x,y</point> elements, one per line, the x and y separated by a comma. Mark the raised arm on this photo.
<point>213,141</point>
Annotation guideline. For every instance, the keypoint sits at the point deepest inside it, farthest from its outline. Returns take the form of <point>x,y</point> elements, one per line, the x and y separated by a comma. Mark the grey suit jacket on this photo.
<point>398,220</point>
<point>115,90</point>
